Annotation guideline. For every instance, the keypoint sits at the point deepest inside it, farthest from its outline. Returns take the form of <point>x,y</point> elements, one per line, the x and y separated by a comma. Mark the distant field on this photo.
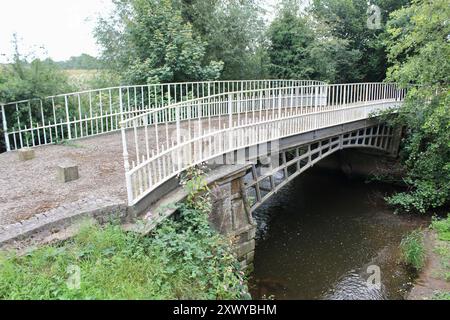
<point>82,78</point>
<point>80,74</point>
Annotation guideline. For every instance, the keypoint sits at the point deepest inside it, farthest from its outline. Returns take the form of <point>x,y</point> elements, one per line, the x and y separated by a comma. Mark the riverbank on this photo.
<point>433,281</point>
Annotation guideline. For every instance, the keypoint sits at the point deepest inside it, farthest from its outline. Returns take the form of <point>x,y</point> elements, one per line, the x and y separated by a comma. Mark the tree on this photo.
<point>356,22</point>
<point>234,33</point>
<point>419,49</point>
<point>27,77</point>
<point>148,41</point>
<point>301,48</point>
<point>22,79</point>
<point>81,62</point>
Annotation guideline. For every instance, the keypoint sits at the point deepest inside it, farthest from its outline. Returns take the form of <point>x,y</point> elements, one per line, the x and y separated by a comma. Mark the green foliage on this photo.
<point>347,21</point>
<point>193,181</point>
<point>183,259</point>
<point>441,296</point>
<point>81,62</point>
<point>233,31</point>
<point>21,79</point>
<point>442,227</point>
<point>419,49</point>
<point>147,41</point>
<point>301,50</point>
<point>413,249</point>
<point>418,43</point>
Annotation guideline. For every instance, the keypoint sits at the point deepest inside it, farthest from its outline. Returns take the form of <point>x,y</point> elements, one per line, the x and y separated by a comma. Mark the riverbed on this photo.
<point>326,236</point>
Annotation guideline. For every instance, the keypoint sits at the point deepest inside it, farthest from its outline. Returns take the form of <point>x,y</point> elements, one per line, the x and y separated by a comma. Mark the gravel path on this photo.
<point>30,187</point>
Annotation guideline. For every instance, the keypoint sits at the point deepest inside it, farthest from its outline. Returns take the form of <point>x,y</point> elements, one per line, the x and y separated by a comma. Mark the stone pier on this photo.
<point>231,215</point>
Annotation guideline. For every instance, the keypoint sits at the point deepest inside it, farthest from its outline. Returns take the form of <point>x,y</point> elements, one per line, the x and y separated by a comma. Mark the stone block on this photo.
<point>67,172</point>
<point>26,154</point>
<point>250,257</point>
<point>251,233</point>
<point>243,249</point>
<point>240,217</point>
<point>235,187</point>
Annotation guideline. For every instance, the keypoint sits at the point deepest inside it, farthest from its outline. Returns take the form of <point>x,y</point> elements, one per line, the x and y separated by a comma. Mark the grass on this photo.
<point>113,264</point>
<point>80,75</point>
<point>413,252</point>
<point>413,249</point>
<point>68,143</point>
<point>442,229</point>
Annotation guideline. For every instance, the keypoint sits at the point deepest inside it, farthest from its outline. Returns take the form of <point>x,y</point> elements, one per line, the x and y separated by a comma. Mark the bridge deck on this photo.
<point>30,187</point>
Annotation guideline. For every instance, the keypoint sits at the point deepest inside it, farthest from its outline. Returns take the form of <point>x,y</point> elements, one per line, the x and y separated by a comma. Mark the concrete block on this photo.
<point>67,172</point>
<point>26,154</point>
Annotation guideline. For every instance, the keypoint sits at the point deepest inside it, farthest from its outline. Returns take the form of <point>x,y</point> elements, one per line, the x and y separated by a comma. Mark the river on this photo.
<point>319,235</point>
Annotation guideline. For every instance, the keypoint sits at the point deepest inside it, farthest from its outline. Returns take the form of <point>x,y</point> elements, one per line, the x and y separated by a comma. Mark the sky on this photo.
<point>63,27</point>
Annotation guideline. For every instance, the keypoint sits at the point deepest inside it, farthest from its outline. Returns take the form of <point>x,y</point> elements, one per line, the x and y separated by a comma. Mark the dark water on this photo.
<point>317,237</point>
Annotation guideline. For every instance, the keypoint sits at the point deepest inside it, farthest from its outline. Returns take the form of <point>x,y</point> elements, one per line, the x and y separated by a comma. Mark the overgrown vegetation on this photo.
<point>418,48</point>
<point>413,249</point>
<point>182,259</point>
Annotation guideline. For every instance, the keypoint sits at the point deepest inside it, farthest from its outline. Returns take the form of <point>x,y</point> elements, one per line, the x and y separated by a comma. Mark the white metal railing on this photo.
<point>75,115</point>
<point>161,143</point>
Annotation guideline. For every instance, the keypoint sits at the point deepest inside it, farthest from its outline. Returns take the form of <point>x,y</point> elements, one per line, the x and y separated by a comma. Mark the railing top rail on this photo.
<point>151,85</point>
<point>240,126</point>
<point>181,103</point>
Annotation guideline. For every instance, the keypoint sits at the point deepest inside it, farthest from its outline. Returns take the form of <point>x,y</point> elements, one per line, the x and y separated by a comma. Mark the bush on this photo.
<point>413,249</point>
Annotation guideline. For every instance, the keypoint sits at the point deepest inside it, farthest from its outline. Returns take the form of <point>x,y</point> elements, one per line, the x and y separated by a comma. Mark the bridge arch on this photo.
<point>263,180</point>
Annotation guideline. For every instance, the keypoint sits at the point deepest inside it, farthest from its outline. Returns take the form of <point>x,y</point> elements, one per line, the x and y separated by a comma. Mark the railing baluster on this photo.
<point>5,129</point>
